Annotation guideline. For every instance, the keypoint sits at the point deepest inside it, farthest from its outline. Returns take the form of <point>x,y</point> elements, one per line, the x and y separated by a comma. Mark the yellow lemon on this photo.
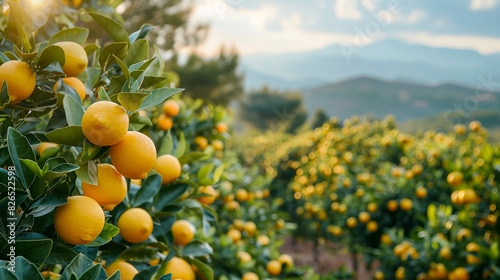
<point>105,123</point>
<point>209,195</point>
<point>263,240</point>
<point>250,228</point>
<point>168,167</point>
<point>234,234</point>
<point>244,256</point>
<point>134,156</point>
<point>455,178</point>
<point>183,232</point>
<point>274,268</point>
<point>286,259</point>
<point>135,225</point>
<point>406,204</point>
<point>201,142</point>
<point>250,276</point>
<point>165,123</point>
<point>221,127</point>
<point>79,221</point>
<point>20,79</point>
<point>127,271</point>
<point>170,108</point>
<point>75,58</point>
<point>218,145</point>
<point>111,187</point>
<point>180,269</point>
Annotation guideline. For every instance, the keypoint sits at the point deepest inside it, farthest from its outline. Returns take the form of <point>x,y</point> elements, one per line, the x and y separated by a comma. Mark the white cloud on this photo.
<point>370,5</point>
<point>248,30</point>
<point>483,45</point>
<point>347,9</point>
<point>482,4</point>
<point>415,16</point>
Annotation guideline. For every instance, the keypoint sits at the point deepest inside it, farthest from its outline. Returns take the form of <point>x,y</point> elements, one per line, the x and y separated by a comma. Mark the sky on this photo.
<point>291,26</point>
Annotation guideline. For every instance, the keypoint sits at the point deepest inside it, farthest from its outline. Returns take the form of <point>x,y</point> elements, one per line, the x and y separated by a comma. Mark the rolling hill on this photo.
<point>404,100</point>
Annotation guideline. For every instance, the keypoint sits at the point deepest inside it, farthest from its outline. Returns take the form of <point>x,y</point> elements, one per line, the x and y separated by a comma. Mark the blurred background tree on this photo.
<point>320,117</point>
<point>216,78</point>
<point>271,109</point>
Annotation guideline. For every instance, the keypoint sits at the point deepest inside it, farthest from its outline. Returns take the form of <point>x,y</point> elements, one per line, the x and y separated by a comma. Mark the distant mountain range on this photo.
<point>404,100</point>
<point>388,59</point>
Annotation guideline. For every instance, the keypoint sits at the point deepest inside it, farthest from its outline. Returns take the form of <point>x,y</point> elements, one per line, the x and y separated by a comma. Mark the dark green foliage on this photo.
<point>214,79</point>
<point>320,117</point>
<point>269,109</point>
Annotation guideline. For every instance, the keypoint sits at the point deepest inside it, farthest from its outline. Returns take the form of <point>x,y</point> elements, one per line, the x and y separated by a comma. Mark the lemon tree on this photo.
<point>108,173</point>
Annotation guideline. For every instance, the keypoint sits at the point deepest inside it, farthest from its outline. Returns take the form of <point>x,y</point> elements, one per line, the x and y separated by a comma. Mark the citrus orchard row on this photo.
<point>425,205</point>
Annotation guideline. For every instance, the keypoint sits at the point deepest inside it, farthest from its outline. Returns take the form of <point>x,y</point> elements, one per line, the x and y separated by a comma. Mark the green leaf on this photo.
<point>91,48</point>
<point>33,167</point>
<point>60,254</point>
<point>59,171</point>
<point>25,41</point>
<point>170,194</point>
<point>3,57</point>
<point>197,249</point>
<point>166,277</point>
<point>87,172</point>
<point>141,33</point>
<point>218,173</point>
<point>78,266</point>
<point>167,144</point>
<point>115,276</point>
<point>18,14</point>
<point>150,187</point>
<point>113,28</point>
<point>49,55</point>
<point>4,95</point>
<point>103,95</point>
<point>106,57</point>
<point>74,111</point>
<point>180,149</point>
<point>19,148</point>
<point>190,157</point>
<point>25,270</point>
<point>147,273</point>
<point>138,51</point>
<point>131,101</point>
<point>68,90</point>
<point>92,273</point>
<point>205,171</point>
<point>53,200</point>
<point>76,34</point>
<point>108,232</point>
<point>88,152</point>
<point>150,81</point>
<point>35,251</point>
<point>123,67</point>
<point>70,135</point>
<point>6,274</point>
<point>204,268</point>
<point>136,118</point>
<point>93,76</point>
<point>158,96</point>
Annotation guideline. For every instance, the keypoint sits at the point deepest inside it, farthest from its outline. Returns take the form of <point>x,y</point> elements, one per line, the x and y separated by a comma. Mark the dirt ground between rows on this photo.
<point>324,260</point>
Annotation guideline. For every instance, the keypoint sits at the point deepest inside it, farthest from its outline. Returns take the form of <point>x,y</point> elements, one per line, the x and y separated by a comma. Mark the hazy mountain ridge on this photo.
<point>388,59</point>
